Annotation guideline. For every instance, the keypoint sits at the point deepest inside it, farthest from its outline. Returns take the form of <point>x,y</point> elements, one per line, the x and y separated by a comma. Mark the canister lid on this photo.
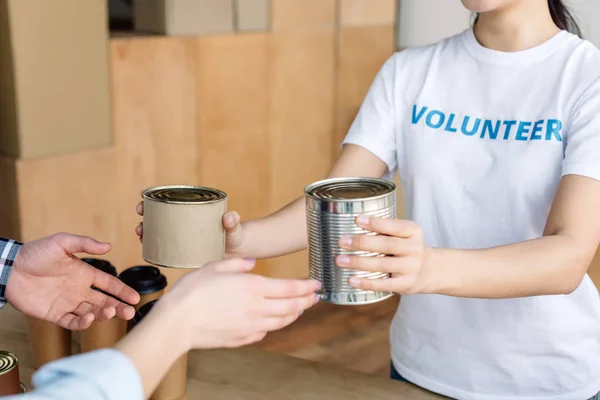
<point>144,279</point>
<point>142,312</point>
<point>350,189</point>
<point>184,194</point>
<point>8,362</point>
<point>102,265</point>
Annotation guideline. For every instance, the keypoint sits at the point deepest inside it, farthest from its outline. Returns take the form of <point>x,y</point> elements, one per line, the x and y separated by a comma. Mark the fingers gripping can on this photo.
<point>332,206</point>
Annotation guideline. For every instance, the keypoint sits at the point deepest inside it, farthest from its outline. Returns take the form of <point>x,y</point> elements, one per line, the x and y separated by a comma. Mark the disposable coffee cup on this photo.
<point>102,334</point>
<point>10,382</point>
<point>174,384</point>
<point>147,281</point>
<point>183,226</point>
<point>47,341</point>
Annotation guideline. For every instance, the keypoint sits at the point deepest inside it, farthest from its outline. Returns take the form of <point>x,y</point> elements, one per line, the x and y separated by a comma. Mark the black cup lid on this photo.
<point>144,279</point>
<point>102,265</point>
<point>142,312</point>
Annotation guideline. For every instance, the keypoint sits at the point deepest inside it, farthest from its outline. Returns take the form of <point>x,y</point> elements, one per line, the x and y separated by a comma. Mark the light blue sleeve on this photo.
<point>99,375</point>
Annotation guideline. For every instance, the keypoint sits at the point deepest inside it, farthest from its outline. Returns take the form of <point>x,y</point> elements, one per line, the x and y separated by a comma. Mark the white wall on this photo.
<point>422,22</point>
<point>587,13</point>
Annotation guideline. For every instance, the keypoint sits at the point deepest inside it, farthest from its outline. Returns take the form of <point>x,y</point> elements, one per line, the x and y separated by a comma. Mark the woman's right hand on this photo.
<point>222,305</point>
<point>231,223</point>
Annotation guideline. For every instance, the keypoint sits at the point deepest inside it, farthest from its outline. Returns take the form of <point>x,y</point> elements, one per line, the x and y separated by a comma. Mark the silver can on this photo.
<point>332,206</point>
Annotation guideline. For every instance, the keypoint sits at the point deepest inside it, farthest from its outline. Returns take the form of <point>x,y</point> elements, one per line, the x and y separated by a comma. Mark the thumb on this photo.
<point>83,244</point>
<point>231,222</point>
<point>233,230</point>
<point>235,265</point>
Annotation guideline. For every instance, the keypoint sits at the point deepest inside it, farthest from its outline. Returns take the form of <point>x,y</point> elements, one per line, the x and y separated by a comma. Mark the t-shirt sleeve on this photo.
<point>582,150</point>
<point>374,128</point>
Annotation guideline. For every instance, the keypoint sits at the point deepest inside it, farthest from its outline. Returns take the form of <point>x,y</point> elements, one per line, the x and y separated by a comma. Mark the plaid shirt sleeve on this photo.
<point>8,253</point>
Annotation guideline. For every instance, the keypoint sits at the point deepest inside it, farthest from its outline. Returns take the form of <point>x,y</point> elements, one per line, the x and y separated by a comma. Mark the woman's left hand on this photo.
<point>408,260</point>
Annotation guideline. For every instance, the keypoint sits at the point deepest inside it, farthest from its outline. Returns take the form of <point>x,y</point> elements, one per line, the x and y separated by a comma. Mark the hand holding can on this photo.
<point>332,206</point>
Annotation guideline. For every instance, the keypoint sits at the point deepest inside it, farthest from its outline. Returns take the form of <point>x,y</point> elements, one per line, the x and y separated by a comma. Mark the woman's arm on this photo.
<point>284,231</point>
<point>553,264</point>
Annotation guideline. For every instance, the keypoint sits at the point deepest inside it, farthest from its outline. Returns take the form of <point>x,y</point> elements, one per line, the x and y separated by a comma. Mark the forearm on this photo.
<point>553,264</point>
<point>153,346</point>
<point>284,231</point>
<point>280,233</point>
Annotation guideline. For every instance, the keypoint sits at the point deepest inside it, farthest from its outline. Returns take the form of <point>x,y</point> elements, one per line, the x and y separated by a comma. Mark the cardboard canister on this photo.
<point>173,386</point>
<point>102,334</point>
<point>183,226</point>
<point>47,341</point>
<point>10,382</point>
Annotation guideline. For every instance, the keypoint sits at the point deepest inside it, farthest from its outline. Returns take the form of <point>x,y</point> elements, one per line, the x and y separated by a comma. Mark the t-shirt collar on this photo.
<point>533,54</point>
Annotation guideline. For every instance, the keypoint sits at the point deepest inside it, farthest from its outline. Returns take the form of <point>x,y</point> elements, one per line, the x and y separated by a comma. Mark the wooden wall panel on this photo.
<point>233,95</point>
<point>155,124</point>
<point>301,110</point>
<point>361,53</point>
<point>72,193</point>
<point>368,12</point>
<point>303,14</point>
<point>9,206</point>
<point>301,106</point>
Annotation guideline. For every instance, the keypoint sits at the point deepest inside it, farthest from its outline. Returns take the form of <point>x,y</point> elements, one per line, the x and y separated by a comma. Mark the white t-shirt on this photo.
<point>481,139</point>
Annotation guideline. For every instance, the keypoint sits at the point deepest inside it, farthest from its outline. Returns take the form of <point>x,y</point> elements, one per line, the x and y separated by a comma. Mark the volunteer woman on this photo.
<point>496,135</point>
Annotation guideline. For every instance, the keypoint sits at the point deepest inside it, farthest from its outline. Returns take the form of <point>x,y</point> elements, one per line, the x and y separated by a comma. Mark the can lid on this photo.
<point>8,362</point>
<point>350,188</point>
<point>142,312</point>
<point>102,265</point>
<point>184,194</point>
<point>144,279</point>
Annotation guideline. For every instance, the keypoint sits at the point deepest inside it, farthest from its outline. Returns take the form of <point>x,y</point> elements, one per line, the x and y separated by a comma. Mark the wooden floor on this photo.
<point>355,337</point>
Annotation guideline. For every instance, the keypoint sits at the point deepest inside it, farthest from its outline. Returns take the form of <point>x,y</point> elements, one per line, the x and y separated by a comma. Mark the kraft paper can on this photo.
<point>174,384</point>
<point>10,382</point>
<point>183,226</point>
<point>102,334</point>
<point>47,341</point>
<point>332,206</point>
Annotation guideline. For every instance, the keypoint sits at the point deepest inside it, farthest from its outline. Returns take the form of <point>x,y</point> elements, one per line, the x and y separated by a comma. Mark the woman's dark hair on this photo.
<point>562,17</point>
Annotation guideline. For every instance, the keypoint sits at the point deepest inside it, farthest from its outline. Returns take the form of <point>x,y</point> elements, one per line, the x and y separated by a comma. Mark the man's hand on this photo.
<point>50,283</point>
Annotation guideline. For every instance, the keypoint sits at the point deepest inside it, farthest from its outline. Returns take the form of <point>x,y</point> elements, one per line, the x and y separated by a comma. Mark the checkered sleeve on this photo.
<point>8,253</point>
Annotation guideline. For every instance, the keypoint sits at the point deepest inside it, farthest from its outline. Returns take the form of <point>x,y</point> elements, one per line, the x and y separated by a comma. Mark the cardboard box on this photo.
<point>252,15</point>
<point>183,17</point>
<point>54,90</point>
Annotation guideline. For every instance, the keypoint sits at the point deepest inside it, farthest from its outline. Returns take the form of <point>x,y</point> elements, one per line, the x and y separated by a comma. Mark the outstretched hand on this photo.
<point>49,282</point>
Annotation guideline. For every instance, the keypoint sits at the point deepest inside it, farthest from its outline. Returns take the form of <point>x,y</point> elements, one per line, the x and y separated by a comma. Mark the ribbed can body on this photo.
<point>332,206</point>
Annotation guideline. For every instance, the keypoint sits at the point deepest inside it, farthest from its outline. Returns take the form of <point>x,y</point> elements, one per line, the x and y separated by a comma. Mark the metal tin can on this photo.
<point>332,206</point>
<point>10,383</point>
<point>183,226</point>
